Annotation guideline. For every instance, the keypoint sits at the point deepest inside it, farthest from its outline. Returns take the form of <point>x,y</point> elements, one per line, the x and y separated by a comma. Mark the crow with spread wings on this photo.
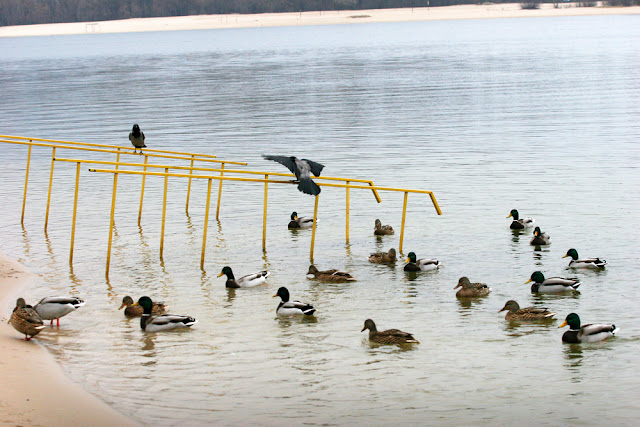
<point>302,168</point>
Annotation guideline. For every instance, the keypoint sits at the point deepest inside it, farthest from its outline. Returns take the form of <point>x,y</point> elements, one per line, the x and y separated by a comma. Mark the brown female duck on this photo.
<point>528,313</point>
<point>469,290</point>
<point>384,257</point>
<point>26,320</point>
<point>137,310</point>
<point>390,336</point>
<point>333,276</point>
<point>382,230</point>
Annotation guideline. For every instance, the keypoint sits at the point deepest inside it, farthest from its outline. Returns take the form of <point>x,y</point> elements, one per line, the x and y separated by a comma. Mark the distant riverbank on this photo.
<point>202,22</point>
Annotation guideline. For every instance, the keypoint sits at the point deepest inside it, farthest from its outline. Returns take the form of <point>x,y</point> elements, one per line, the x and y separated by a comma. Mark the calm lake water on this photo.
<point>541,115</point>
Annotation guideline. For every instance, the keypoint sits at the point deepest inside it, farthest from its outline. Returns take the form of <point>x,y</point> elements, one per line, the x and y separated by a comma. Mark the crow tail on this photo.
<point>307,186</point>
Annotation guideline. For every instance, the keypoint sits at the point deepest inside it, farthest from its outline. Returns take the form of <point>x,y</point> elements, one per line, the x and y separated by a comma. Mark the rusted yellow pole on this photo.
<point>313,233</point>
<point>186,209</point>
<point>144,177</point>
<point>404,214</point>
<point>219,193</point>
<point>206,224</point>
<point>26,181</point>
<point>264,217</point>
<point>164,210</point>
<point>75,210</point>
<point>53,161</point>
<point>112,221</point>
<point>347,213</point>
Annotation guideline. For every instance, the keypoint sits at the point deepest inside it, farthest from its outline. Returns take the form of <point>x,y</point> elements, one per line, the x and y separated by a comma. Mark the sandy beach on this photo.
<point>202,22</point>
<point>35,391</point>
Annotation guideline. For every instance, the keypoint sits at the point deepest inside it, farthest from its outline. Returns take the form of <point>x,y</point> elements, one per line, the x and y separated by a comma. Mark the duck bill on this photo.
<point>134,304</point>
<point>221,274</point>
<point>122,306</point>
<point>275,295</point>
<point>509,216</point>
<point>528,281</point>
<point>363,329</point>
<point>565,256</point>
<point>563,324</point>
<point>502,310</point>
<point>407,260</point>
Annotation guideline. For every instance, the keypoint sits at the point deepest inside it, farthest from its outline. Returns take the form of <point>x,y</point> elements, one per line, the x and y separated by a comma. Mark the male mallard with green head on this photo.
<point>540,238</point>
<point>50,308</point>
<point>292,308</point>
<point>26,320</point>
<point>300,222</point>
<point>390,336</point>
<point>422,264</point>
<point>592,332</point>
<point>520,223</point>
<point>162,322</point>
<point>248,281</point>
<point>470,290</point>
<point>552,285</point>
<point>584,262</point>
<point>528,313</point>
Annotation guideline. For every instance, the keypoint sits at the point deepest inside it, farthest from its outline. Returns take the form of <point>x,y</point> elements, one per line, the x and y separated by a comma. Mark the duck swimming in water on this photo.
<point>584,262</point>
<point>587,333</point>
<point>520,223</point>
<point>540,238</point>
<point>422,264</point>
<point>552,285</point>
<point>390,336</point>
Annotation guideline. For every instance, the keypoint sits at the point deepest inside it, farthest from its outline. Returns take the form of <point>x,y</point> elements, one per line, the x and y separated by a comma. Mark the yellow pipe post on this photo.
<point>347,212</point>
<point>144,177</point>
<point>26,181</point>
<point>164,210</point>
<point>404,214</point>
<point>112,221</point>
<point>53,161</point>
<point>264,217</point>
<point>186,209</point>
<point>75,210</point>
<point>313,233</point>
<point>219,192</point>
<point>206,224</point>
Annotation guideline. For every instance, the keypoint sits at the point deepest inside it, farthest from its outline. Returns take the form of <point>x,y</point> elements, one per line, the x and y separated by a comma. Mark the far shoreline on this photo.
<point>417,14</point>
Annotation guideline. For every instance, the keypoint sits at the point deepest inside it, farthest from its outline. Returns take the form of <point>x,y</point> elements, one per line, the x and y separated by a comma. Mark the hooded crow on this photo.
<point>136,136</point>
<point>302,168</point>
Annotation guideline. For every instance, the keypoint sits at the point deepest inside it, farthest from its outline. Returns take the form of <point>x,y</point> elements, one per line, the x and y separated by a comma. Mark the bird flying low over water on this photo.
<point>136,136</point>
<point>302,169</point>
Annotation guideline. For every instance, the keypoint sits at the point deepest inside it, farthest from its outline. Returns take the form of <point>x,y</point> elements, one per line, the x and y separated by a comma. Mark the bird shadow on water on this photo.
<point>376,348</point>
<point>286,322</point>
<point>467,305</point>
<point>517,328</point>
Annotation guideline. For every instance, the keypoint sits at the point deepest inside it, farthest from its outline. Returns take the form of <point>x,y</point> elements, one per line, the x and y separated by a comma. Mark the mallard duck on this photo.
<point>334,276</point>
<point>50,308</point>
<point>136,310</point>
<point>592,332</point>
<point>552,285</point>
<point>527,313</point>
<point>540,238</point>
<point>292,308</point>
<point>421,264</point>
<point>382,230</point>
<point>162,322</point>
<point>469,289</point>
<point>26,320</point>
<point>520,223</point>
<point>390,336</point>
<point>584,262</point>
<point>300,222</point>
<point>248,281</point>
<point>384,257</point>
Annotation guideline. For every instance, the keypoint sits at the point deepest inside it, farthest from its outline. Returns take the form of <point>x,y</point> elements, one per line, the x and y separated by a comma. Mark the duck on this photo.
<point>528,313</point>
<point>333,276</point>
<point>248,281</point>
<point>421,264</point>
<point>592,332</point>
<point>390,336</point>
<point>520,223</point>
<point>50,308</point>
<point>584,262</point>
<point>540,238</point>
<point>552,285</point>
<point>136,310</point>
<point>469,290</point>
<point>300,222</point>
<point>26,320</point>
<point>292,308</point>
<point>383,257</point>
<point>382,230</point>
<point>136,136</point>
<point>161,322</point>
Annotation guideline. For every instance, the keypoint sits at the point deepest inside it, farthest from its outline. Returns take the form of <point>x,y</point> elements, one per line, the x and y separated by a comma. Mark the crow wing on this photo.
<point>316,168</point>
<point>286,161</point>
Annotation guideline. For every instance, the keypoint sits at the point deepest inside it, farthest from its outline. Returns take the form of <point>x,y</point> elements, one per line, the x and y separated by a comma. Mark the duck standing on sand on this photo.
<point>528,313</point>
<point>136,136</point>
<point>162,322</point>
<point>470,290</point>
<point>422,264</point>
<point>384,257</point>
<point>520,223</point>
<point>132,310</point>
<point>302,169</point>
<point>382,230</point>
<point>588,333</point>
<point>248,281</point>
<point>26,320</point>
<point>584,262</point>
<point>292,308</point>
<point>300,222</point>
<point>390,336</point>
<point>540,238</point>
<point>50,308</point>
<point>552,285</point>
